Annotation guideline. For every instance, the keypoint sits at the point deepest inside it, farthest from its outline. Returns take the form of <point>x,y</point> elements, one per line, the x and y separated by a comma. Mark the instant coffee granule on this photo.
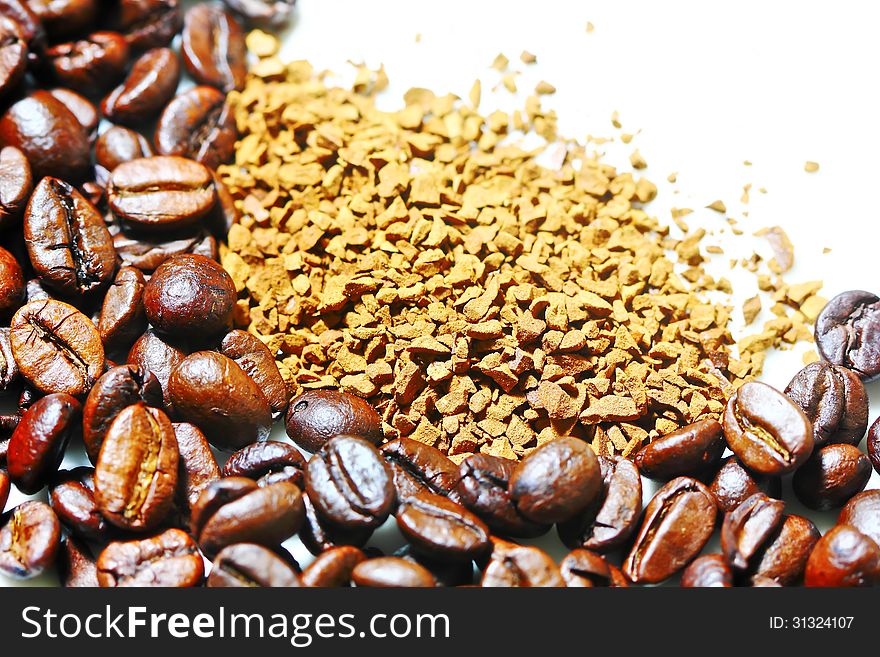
<point>481,301</point>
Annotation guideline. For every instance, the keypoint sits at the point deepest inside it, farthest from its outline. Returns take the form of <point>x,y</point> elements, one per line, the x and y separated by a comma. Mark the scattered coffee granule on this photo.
<point>811,167</point>
<point>527,58</point>
<point>718,206</point>
<point>751,308</point>
<point>482,302</point>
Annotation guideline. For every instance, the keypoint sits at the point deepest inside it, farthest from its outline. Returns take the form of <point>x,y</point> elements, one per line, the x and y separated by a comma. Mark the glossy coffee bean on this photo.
<point>76,565</point>
<point>442,529</point>
<point>584,569</point>
<point>11,283</point>
<point>687,451</point>
<point>834,400</point>
<point>148,254</point>
<point>863,513</point>
<point>832,475</point>
<point>318,536</point>
<point>213,393</point>
<point>67,240</point>
<point>556,481</point>
<point>57,348</point>
<point>521,566</point>
<point>225,213</point>
<point>333,568</point>
<point>677,522</point>
<point>391,572</point>
<point>418,467</point>
<point>158,355</point>
<point>848,333</point>
<point>16,184</point>
<point>29,24</point>
<point>13,55</point>
<point>118,144</point>
<point>85,112</point>
<point>843,557</point>
<point>91,64</point>
<point>122,319</point>
<point>733,484</point>
<point>873,443</point>
<point>150,84</point>
<point>49,135</point>
<point>612,517</point>
<point>708,570</point>
<point>29,540</point>
<point>748,527</point>
<point>160,193</point>
<point>213,47</point>
<point>199,124</point>
<point>253,356</point>
<point>147,23</point>
<point>268,13</point>
<point>196,469</point>
<point>236,510</point>
<point>38,442</point>
<point>315,416</point>
<point>267,462</point>
<point>250,565</point>
<point>169,559</point>
<point>784,557</point>
<point>62,18</point>
<point>766,430</point>
<point>190,296</point>
<point>445,573</point>
<point>72,497</point>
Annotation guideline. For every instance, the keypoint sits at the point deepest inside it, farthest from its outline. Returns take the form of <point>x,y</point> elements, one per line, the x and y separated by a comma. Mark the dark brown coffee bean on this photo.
<point>123,319</point>
<point>57,348</point>
<point>62,18</point>
<point>196,469</point>
<point>147,23</point>
<point>482,488</point>
<point>521,566</point>
<point>136,473</point>
<point>159,356</point>
<point>116,390</point>
<point>268,13</point>
<point>190,296</point>
<point>212,392</point>
<point>67,240</point>
<point>418,467</point>
<point>199,124</point>
<point>863,513</point>
<point>391,572</point>
<point>843,557</point>
<point>29,540</point>
<point>333,568</point>
<point>319,536</point>
<point>38,442</point>
<point>784,556</point>
<point>29,24</point>
<point>873,443</point>
<point>11,283</point>
<point>687,451</point>
<point>118,144</point>
<point>72,496</point>
<point>708,570</point>
<point>349,483</point>
<point>584,569</point>
<point>49,135</point>
<point>733,484</point>
<point>253,356</point>
<point>148,254</point>
<point>89,65</point>
<point>442,529</point>
<point>315,416</point>
<point>225,214</point>
<point>236,510</point>
<point>76,565</point>
<point>766,430</point>
<point>848,333</point>
<point>250,565</point>
<point>267,462</point>
<point>150,84</point>
<point>748,527</point>
<point>84,111</point>
<point>612,517</point>
<point>13,54</point>
<point>167,559</point>
<point>160,193</point>
<point>16,183</point>
<point>556,481</point>
<point>832,475</point>
<point>678,522</point>
<point>213,47</point>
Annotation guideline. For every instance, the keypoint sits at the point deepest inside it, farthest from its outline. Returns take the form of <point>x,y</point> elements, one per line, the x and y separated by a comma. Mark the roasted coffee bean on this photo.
<point>319,536</point>
<point>333,568</point>
<point>225,214</point>
<point>34,291</point>
<point>253,356</point>
<point>136,473</point>
<point>123,319</point>
<point>267,462</point>
<point>708,570</point>
<point>873,443</point>
<point>84,111</point>
<point>250,565</point>
<point>556,481</point>
<point>72,497</point>
<point>418,467</point>
<point>269,13</point>
<point>678,521</point>
<point>521,566</point>
<point>76,565</point>
<point>584,569</point>
<point>686,451</point>
<point>733,484</point>
<point>118,144</point>
<point>38,442</point>
<point>212,392</point>
<point>196,469</point>
<point>49,135</point>
<point>848,333</point>
<point>160,193</point>
<point>442,529</point>
<point>150,84</point>
<point>57,348</point>
<point>61,18</point>
<point>834,400</point>
<point>213,47</point>
<point>29,24</point>
<point>91,64</point>
<point>832,475</point>
<point>147,23</point>
<point>199,124</point>
<point>843,557</point>
<point>863,513</point>
<point>158,355</point>
<point>766,430</point>
<point>236,510</point>
<point>4,489</point>
<point>315,416</point>
<point>748,527</point>
<point>116,390</point>
<point>11,282</point>
<point>349,483</point>
<point>169,559</point>
<point>391,572</point>
<point>9,374</point>
<point>13,54</point>
<point>29,540</point>
<point>445,573</point>
<point>482,488</point>
<point>612,517</point>
<point>148,254</point>
<point>16,183</point>
<point>784,557</point>
<point>190,296</point>
<point>67,240</point>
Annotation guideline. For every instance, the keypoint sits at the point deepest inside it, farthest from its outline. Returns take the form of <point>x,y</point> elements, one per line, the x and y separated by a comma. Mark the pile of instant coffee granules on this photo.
<point>482,302</point>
